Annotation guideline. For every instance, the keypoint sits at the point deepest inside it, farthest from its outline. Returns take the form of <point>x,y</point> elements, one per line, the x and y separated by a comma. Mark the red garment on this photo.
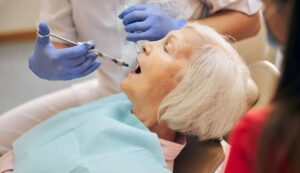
<point>244,142</point>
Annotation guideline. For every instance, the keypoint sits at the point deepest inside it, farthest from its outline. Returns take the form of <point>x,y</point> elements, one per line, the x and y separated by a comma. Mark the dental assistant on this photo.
<point>267,139</point>
<point>114,25</point>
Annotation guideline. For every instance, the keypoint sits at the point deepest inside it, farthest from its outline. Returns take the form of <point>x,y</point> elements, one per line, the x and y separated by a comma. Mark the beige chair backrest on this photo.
<point>256,48</point>
<point>265,75</point>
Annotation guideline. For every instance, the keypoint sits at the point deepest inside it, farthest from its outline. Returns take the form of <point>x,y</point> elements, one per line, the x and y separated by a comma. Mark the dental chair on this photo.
<point>265,75</point>
<point>205,157</point>
<point>199,157</point>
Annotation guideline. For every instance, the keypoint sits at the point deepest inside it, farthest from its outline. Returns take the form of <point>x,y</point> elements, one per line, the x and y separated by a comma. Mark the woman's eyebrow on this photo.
<point>171,36</point>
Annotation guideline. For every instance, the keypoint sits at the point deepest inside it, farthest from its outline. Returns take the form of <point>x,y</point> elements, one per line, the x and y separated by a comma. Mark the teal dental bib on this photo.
<point>101,137</point>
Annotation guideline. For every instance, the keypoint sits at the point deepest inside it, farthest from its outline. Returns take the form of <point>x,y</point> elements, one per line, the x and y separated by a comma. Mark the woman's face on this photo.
<point>277,18</point>
<point>159,64</point>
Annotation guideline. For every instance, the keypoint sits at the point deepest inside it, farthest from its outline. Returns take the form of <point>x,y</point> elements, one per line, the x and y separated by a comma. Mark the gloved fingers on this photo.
<point>138,7</point>
<point>135,16</point>
<point>94,66</point>
<point>43,37</point>
<point>74,52</point>
<point>137,36</point>
<point>81,68</point>
<point>75,62</point>
<point>138,26</point>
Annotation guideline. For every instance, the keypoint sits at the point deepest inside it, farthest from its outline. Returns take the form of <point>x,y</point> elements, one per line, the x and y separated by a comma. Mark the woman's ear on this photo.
<point>252,93</point>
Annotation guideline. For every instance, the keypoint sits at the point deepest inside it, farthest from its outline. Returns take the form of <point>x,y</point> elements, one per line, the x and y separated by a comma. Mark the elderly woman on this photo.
<point>191,82</point>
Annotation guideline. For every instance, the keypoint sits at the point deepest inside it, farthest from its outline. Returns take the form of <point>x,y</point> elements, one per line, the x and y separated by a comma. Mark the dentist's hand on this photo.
<point>147,22</point>
<point>50,63</point>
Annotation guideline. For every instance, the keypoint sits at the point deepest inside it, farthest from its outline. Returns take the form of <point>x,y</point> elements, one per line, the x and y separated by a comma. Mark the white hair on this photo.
<point>215,91</point>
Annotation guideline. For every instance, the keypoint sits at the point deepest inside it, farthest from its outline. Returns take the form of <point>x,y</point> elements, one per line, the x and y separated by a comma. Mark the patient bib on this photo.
<point>101,137</point>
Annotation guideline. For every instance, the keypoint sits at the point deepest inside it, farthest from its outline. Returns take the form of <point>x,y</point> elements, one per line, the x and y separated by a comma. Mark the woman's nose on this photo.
<point>147,48</point>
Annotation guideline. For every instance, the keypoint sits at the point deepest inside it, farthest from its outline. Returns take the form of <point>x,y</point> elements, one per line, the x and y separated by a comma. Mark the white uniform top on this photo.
<point>82,20</point>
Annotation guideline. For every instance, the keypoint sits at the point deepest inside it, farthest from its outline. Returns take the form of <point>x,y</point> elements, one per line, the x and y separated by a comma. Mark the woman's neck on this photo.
<point>163,131</point>
<point>150,119</point>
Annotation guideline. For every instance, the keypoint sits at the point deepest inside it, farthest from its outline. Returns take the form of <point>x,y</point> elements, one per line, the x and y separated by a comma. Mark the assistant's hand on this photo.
<point>51,63</point>
<point>147,22</point>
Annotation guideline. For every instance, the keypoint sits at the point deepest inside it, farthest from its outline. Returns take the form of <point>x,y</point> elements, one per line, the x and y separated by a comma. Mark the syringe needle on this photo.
<point>137,48</point>
<point>97,52</point>
<point>115,60</point>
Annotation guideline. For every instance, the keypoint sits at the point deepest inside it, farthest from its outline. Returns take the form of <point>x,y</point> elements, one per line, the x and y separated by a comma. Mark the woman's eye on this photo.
<point>166,48</point>
<point>143,49</point>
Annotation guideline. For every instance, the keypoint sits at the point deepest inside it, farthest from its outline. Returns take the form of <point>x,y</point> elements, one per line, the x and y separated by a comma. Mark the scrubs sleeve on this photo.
<point>248,7</point>
<point>58,14</point>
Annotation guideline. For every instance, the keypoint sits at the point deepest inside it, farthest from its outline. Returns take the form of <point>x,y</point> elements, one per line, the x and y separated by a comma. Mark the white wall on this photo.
<point>18,14</point>
<point>17,83</point>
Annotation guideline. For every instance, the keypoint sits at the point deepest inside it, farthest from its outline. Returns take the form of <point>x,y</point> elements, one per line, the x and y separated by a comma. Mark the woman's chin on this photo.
<point>126,83</point>
<point>123,84</point>
<point>127,86</point>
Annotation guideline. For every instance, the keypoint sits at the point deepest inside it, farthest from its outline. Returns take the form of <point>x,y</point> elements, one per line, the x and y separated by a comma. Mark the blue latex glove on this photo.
<point>147,22</point>
<point>51,63</point>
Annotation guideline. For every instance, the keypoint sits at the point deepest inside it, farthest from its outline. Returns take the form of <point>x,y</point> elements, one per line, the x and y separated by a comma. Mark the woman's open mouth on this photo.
<point>137,70</point>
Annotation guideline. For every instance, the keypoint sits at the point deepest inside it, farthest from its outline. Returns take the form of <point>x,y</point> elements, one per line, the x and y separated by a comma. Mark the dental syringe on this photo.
<point>93,50</point>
